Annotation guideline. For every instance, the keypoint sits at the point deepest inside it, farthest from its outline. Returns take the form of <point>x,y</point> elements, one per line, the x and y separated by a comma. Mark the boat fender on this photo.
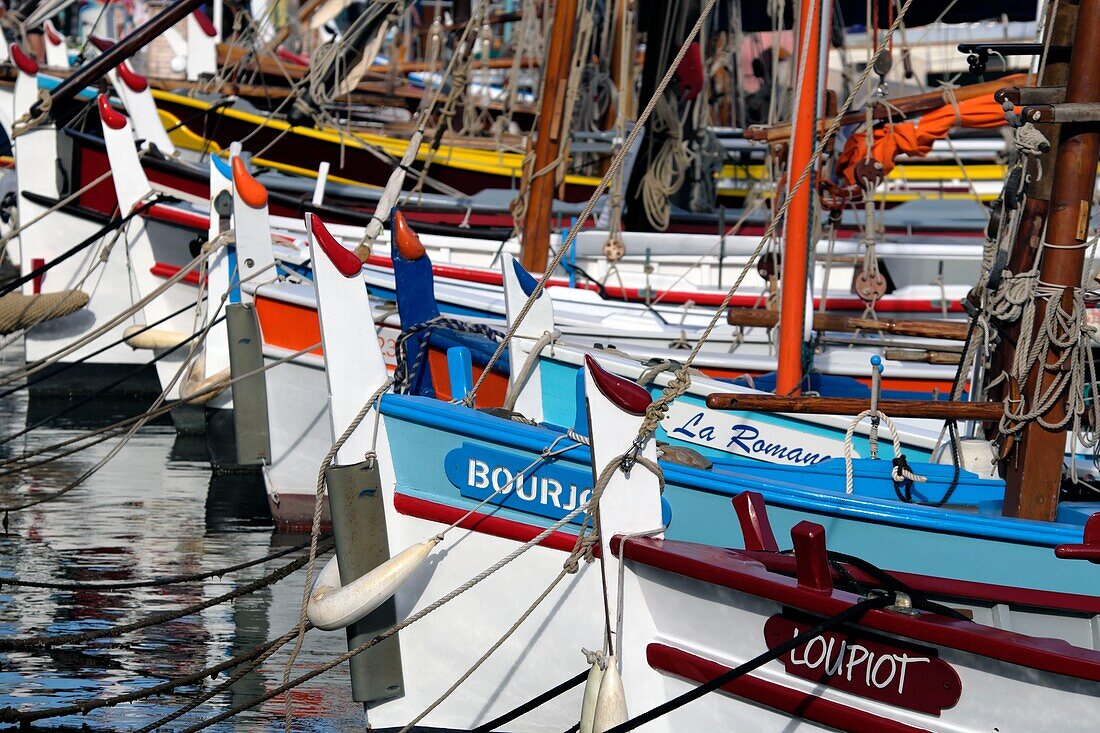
<point>19,311</point>
<point>611,703</point>
<point>137,337</point>
<point>332,607</point>
<point>591,690</point>
<point>216,383</point>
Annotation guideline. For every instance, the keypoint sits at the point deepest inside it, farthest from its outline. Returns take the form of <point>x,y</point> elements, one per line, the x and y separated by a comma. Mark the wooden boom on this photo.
<point>950,330</point>
<point>930,409</point>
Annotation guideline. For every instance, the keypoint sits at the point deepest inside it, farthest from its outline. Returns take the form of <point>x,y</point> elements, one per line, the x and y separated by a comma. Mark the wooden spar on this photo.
<point>92,71</point>
<point>912,106</point>
<point>548,141</point>
<point>950,330</point>
<point>798,226</point>
<point>1033,481</point>
<point>922,409</point>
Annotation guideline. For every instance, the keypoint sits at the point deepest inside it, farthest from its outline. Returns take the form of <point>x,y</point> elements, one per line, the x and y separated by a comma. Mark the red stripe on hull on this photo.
<point>795,703</point>
<point>482,523</point>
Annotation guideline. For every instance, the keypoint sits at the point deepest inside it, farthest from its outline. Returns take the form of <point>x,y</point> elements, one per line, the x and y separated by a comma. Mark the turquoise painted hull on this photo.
<point>470,453</point>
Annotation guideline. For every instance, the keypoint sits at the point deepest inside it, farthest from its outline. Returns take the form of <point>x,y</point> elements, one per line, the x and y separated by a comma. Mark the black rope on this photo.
<point>78,247</point>
<point>70,364</point>
<point>156,583</point>
<point>48,641</point>
<point>108,387</point>
<point>853,612</point>
<point>531,704</point>
<point>405,374</point>
<point>23,717</point>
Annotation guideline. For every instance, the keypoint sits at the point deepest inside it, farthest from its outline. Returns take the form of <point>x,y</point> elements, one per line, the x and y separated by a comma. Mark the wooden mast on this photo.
<point>799,227</point>
<point>1033,482</point>
<point>547,144</point>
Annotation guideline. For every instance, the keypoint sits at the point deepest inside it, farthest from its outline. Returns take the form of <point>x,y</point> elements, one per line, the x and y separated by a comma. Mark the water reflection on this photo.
<point>154,510</point>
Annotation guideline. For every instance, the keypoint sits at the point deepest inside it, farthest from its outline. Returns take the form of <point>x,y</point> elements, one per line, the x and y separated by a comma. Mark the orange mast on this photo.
<point>799,227</point>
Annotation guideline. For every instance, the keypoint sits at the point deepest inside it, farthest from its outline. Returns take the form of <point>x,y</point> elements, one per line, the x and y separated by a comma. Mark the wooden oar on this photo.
<point>930,409</point>
<point>949,330</point>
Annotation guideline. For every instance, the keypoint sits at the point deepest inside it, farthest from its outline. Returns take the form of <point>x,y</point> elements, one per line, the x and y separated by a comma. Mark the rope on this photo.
<point>75,249</point>
<point>582,548</point>
<point>315,533</point>
<point>405,374</point>
<point>532,360</point>
<point>853,612</point>
<point>49,641</point>
<point>208,249</point>
<point>669,165</point>
<point>901,473</point>
<point>258,653</point>
<point>613,168</point>
<point>156,583</point>
<point>533,703</point>
<point>109,431</point>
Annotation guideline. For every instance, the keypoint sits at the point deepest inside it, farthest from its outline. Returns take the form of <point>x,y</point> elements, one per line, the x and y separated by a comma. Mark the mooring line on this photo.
<point>48,641</point>
<point>158,582</point>
<point>108,387</point>
<point>76,362</point>
<point>262,651</point>
<point>116,428</point>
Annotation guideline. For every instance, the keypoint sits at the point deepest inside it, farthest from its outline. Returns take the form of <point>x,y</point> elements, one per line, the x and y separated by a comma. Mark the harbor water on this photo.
<point>154,510</point>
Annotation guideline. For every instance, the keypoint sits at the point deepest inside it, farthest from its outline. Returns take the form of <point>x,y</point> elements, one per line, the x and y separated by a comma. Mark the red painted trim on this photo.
<point>756,528</point>
<point>624,394</point>
<point>796,703</point>
<point>482,523</point>
<point>51,33</point>
<point>946,589</point>
<point>25,63</point>
<point>295,58</point>
<point>205,24</point>
<point>738,571</point>
<point>345,261</point>
<point>100,43</point>
<point>811,557</point>
<point>111,118</point>
<point>172,215</point>
<point>164,270</point>
<point>1087,550</point>
<point>132,79</point>
<point>37,262</point>
<point>886,304</point>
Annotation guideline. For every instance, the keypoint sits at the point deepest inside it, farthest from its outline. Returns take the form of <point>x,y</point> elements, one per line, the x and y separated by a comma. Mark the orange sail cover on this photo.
<point>916,137</point>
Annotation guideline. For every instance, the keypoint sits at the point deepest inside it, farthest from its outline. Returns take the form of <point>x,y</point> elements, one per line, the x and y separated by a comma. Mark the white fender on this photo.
<point>195,383</point>
<point>518,286</point>
<point>153,338</point>
<point>332,606</point>
<point>178,44</point>
<point>611,704</point>
<point>202,50</point>
<point>251,226</point>
<point>591,695</point>
<point>57,54</point>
